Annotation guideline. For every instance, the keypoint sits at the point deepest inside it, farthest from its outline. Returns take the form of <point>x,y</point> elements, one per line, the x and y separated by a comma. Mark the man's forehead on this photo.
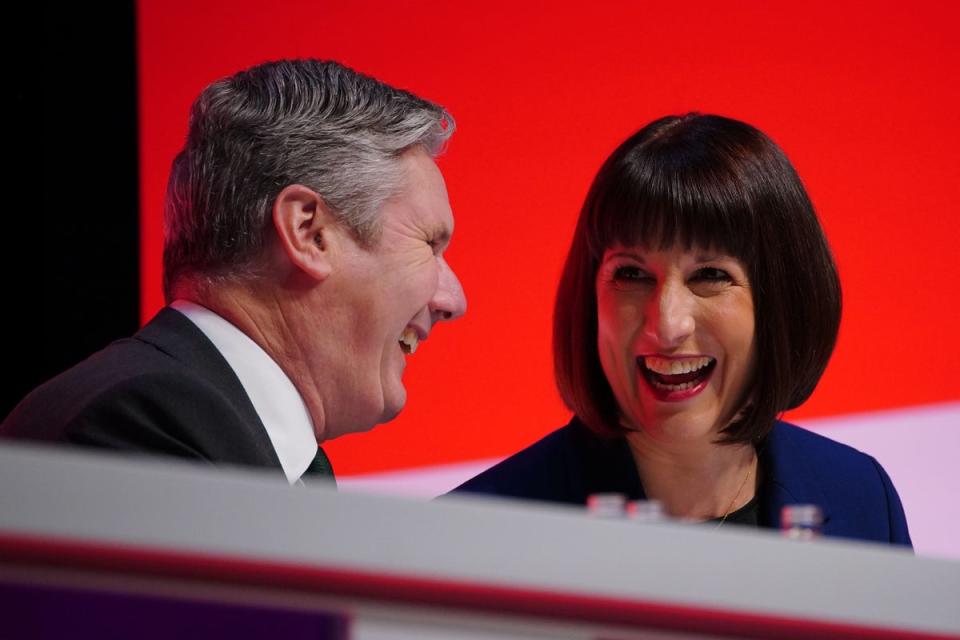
<point>420,167</point>
<point>421,204</point>
<point>426,184</point>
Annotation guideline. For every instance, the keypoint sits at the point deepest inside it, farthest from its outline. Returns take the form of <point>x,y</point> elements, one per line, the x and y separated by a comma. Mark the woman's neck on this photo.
<point>695,480</point>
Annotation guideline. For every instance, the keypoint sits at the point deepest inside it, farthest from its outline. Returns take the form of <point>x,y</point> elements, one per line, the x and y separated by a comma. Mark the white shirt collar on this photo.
<point>276,400</point>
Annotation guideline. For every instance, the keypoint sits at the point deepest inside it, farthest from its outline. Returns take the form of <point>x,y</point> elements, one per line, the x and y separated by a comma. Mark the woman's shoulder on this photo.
<point>555,468</point>
<point>789,440</point>
<point>795,453</point>
<point>857,495</point>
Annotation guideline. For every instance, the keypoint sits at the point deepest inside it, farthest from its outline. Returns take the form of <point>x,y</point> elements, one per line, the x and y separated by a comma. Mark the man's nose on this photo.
<point>449,303</point>
<point>669,316</point>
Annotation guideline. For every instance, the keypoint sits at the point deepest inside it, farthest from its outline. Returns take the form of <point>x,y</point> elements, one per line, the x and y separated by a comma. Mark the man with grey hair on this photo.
<point>305,227</point>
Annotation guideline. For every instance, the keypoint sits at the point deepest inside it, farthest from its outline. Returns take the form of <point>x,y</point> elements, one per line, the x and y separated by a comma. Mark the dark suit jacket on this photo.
<point>798,466</point>
<point>167,390</point>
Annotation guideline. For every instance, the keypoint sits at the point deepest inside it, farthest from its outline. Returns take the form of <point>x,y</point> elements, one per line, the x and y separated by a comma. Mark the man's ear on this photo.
<point>305,229</point>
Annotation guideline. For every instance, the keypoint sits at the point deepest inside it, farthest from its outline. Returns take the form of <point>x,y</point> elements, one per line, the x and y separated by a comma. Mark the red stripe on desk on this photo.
<point>204,568</point>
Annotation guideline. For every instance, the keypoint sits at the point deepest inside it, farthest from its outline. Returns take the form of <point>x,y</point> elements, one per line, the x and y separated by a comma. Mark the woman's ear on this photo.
<point>305,229</point>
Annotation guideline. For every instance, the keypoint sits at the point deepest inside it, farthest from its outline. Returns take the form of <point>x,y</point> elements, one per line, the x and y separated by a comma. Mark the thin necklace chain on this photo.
<point>734,501</point>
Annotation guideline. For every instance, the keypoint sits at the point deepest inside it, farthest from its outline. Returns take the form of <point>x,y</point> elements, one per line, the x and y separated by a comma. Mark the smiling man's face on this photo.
<point>394,293</point>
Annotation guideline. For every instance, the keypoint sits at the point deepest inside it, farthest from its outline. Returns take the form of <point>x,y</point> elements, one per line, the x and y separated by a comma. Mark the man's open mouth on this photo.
<point>409,341</point>
<point>671,375</point>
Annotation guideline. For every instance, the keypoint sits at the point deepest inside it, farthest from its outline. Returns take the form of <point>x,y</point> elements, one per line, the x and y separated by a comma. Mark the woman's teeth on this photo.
<point>666,367</point>
<point>674,387</point>
<point>673,375</point>
<point>409,340</point>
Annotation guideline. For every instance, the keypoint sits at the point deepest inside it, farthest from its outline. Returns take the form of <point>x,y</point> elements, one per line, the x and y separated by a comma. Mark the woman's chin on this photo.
<point>693,419</point>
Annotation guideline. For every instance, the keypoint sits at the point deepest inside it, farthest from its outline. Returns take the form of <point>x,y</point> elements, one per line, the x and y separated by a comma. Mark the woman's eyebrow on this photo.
<point>625,253</point>
<point>714,257</point>
<point>637,256</point>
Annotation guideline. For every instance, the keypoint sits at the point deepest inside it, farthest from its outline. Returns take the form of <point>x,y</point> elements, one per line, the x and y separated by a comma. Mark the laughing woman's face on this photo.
<point>676,338</point>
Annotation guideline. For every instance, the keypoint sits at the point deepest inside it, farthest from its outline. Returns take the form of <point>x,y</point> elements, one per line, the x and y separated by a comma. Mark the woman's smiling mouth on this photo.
<point>676,379</point>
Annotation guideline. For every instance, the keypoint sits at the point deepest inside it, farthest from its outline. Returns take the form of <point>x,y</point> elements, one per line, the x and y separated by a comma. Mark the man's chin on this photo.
<point>393,404</point>
<point>375,414</point>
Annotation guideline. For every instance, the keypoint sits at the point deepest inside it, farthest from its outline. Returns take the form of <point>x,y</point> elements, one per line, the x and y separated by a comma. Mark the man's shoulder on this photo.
<point>132,382</point>
<point>158,407</point>
<point>124,369</point>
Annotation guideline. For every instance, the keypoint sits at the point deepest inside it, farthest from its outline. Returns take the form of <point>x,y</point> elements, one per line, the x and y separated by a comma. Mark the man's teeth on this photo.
<point>409,340</point>
<point>667,367</point>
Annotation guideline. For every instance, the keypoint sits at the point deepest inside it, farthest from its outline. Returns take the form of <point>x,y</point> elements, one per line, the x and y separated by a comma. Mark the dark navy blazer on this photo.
<point>167,391</point>
<point>797,466</point>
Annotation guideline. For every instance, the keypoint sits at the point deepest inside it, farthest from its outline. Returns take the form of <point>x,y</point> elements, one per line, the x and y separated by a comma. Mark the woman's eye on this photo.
<point>712,274</point>
<point>629,277</point>
<point>627,273</point>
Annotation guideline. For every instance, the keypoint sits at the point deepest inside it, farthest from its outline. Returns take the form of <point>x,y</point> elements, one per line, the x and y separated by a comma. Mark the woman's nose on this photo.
<point>669,317</point>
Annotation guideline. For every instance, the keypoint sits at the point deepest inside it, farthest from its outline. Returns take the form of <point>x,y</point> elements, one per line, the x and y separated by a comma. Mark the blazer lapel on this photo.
<point>171,332</point>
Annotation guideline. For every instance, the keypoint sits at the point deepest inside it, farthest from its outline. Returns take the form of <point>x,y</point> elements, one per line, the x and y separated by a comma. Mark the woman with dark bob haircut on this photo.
<point>699,301</point>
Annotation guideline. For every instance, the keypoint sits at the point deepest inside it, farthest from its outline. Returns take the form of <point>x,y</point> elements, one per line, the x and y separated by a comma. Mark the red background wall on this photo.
<point>862,96</point>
